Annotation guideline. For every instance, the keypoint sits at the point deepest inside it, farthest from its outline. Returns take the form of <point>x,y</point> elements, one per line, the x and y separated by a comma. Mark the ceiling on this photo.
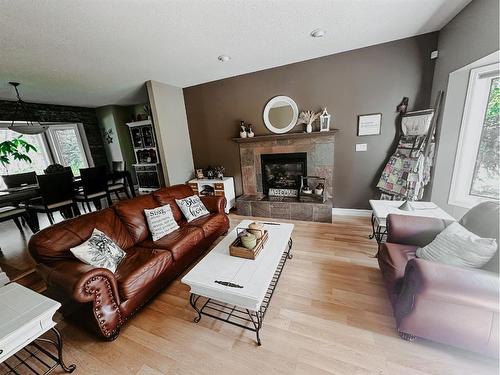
<point>98,52</point>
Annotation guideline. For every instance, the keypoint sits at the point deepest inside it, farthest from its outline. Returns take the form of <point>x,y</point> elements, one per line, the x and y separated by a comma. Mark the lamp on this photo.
<point>24,125</point>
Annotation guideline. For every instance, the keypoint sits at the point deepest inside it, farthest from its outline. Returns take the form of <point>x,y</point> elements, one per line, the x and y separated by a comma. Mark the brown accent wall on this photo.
<point>367,80</point>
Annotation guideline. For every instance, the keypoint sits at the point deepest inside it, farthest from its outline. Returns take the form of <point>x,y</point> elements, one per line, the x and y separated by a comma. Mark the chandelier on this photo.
<point>22,123</point>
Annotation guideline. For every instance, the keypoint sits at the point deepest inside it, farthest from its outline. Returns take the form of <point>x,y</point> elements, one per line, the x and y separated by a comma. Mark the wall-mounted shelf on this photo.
<point>273,137</point>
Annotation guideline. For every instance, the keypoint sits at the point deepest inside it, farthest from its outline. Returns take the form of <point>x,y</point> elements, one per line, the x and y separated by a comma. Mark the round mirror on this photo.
<point>280,114</point>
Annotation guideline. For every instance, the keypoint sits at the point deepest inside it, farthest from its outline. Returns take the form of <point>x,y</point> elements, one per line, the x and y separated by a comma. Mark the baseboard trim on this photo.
<point>351,212</point>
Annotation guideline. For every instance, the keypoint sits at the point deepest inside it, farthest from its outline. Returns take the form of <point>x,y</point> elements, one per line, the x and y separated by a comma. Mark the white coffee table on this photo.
<point>382,209</point>
<point>237,290</point>
<point>25,316</point>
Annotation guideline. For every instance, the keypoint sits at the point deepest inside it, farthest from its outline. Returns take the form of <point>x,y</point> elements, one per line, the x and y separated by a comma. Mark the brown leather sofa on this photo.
<point>451,305</point>
<point>107,300</point>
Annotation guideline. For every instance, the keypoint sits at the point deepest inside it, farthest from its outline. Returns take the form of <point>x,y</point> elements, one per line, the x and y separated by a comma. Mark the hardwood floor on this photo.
<point>329,315</point>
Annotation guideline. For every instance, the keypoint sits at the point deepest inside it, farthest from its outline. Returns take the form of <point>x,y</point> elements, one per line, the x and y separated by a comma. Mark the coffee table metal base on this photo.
<point>237,316</point>
<point>34,357</point>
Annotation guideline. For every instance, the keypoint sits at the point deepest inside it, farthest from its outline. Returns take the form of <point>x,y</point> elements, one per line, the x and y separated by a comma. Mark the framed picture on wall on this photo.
<point>369,124</point>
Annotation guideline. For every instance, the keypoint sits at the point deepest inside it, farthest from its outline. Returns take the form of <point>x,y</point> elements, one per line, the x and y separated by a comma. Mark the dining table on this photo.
<point>22,194</point>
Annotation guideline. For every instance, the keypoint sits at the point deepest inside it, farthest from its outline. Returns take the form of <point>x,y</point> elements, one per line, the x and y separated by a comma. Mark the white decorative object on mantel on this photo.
<point>324,121</point>
<point>308,118</point>
<point>280,114</point>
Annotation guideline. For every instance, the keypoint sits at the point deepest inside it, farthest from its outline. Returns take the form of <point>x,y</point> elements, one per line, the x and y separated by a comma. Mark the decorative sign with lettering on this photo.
<point>192,207</point>
<point>283,192</point>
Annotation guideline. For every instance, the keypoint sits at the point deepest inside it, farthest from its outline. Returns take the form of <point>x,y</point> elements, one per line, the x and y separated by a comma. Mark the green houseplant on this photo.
<point>16,149</point>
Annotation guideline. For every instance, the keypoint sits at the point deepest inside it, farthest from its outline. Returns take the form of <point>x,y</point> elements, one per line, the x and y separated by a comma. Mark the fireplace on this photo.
<point>281,173</point>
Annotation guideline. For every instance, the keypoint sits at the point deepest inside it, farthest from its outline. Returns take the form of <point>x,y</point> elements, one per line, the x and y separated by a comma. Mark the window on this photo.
<point>67,145</point>
<point>64,144</point>
<point>40,159</point>
<point>476,174</point>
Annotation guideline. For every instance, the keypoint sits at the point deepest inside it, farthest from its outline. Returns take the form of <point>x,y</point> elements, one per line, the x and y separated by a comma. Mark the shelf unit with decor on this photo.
<point>147,165</point>
<point>218,187</point>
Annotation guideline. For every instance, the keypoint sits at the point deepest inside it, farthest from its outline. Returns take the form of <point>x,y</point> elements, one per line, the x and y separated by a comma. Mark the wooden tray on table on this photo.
<point>236,249</point>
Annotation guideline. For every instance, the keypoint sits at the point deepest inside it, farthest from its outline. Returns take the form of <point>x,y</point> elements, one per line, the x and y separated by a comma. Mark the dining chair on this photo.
<point>57,194</point>
<point>14,213</point>
<point>118,185</point>
<point>19,179</point>
<point>94,183</point>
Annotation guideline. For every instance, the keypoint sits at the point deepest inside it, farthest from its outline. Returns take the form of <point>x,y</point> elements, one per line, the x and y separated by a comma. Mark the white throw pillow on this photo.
<point>99,251</point>
<point>192,207</point>
<point>457,246</point>
<point>160,221</point>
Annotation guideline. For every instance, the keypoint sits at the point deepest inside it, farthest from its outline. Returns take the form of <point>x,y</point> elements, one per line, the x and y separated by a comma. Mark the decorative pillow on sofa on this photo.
<point>160,221</point>
<point>192,207</point>
<point>457,246</point>
<point>99,251</point>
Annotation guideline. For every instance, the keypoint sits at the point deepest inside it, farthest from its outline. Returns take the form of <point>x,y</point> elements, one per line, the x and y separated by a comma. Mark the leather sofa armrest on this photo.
<point>413,230</point>
<point>444,283</point>
<point>85,283</point>
<point>214,204</point>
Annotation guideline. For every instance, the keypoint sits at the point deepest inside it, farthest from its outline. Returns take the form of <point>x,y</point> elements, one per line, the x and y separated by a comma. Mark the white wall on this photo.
<point>106,121</point>
<point>170,122</point>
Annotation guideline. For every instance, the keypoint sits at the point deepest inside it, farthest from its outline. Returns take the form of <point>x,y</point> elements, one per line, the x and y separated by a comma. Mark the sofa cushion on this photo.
<point>99,251</point>
<point>140,267</point>
<point>210,223</point>
<point>53,243</point>
<point>192,207</point>
<point>179,242</point>
<point>162,197</point>
<point>131,212</point>
<point>161,221</point>
<point>392,259</point>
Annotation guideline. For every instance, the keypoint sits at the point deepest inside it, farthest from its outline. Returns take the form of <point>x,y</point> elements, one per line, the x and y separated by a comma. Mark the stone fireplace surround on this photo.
<point>320,162</point>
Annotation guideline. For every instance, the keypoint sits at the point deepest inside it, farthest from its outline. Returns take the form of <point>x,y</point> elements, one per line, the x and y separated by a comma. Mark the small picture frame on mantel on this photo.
<point>369,124</point>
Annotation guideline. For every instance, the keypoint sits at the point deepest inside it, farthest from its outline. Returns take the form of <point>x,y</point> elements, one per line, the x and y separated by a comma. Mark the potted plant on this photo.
<point>16,149</point>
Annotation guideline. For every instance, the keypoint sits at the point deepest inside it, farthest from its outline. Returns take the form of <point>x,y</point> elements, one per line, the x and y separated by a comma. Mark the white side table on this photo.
<point>382,209</point>
<point>25,316</point>
<point>223,188</point>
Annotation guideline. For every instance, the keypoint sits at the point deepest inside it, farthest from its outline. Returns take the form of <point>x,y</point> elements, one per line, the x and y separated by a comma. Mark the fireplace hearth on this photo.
<point>281,173</point>
<point>271,167</point>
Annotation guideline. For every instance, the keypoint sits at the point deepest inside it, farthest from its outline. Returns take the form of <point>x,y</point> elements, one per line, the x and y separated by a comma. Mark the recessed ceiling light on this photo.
<point>318,33</point>
<point>224,58</point>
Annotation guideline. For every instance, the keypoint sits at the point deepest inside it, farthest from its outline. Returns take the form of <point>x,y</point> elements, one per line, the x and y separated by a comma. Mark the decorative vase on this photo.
<point>251,134</point>
<point>249,240</point>
<point>309,128</point>
<point>243,132</point>
<point>257,229</point>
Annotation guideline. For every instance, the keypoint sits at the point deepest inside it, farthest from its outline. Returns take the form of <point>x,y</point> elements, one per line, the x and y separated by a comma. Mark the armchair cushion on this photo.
<point>456,246</point>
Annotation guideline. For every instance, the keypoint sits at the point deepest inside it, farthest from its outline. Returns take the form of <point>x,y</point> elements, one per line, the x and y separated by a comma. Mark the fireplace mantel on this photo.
<point>273,137</point>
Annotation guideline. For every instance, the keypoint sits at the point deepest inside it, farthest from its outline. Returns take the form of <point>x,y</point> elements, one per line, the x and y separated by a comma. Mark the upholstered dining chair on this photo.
<point>14,213</point>
<point>94,187</point>
<point>117,185</point>
<point>56,191</point>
